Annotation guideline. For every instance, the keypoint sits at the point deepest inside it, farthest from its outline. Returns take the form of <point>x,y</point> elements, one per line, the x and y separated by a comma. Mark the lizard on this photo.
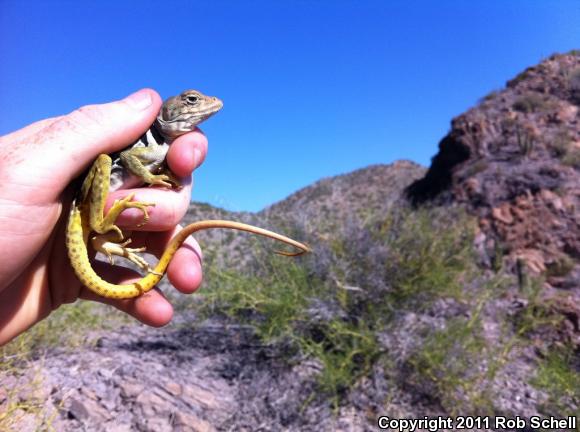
<point>142,162</point>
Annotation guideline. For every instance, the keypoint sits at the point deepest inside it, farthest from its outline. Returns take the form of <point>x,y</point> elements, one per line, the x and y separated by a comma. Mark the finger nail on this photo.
<point>139,100</point>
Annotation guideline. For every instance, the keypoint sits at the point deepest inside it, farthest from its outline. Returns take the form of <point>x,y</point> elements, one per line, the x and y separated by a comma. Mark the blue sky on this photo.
<point>311,88</point>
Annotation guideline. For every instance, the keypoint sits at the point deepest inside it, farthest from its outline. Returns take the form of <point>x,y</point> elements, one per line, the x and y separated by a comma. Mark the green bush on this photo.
<point>559,377</point>
<point>419,256</point>
<point>346,351</point>
<point>431,256</point>
<point>274,301</point>
<point>446,366</point>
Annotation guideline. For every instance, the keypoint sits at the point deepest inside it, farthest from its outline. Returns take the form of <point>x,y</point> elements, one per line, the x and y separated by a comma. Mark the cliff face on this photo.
<point>514,160</point>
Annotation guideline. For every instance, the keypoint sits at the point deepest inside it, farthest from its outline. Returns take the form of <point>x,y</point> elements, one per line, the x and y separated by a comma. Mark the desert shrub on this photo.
<point>561,143</point>
<point>558,375</point>
<point>574,84</point>
<point>361,275</point>
<point>562,266</point>
<point>572,158</point>
<point>346,351</point>
<point>444,367</point>
<point>430,255</point>
<point>531,102</point>
<point>527,136</point>
<point>275,301</point>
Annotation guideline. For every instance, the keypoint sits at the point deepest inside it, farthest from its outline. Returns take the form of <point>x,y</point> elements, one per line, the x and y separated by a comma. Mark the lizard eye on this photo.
<point>192,99</point>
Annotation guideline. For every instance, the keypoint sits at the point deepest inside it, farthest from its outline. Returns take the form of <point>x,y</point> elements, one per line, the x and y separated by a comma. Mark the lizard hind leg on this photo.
<point>95,190</point>
<point>104,243</point>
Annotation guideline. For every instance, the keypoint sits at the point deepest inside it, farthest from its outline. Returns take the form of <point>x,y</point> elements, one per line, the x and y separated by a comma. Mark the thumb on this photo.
<point>79,137</point>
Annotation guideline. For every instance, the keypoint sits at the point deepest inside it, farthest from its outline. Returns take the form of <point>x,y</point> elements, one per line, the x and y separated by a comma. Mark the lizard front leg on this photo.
<point>144,161</point>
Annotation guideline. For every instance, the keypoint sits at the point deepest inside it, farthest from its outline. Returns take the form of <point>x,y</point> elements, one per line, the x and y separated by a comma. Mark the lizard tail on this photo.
<point>80,260</point>
<point>178,240</point>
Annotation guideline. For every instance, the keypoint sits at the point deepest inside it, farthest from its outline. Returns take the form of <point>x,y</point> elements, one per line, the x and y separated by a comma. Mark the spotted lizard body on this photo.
<point>141,163</point>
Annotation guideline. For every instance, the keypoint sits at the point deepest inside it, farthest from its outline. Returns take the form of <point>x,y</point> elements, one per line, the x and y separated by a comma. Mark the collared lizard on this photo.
<point>141,163</point>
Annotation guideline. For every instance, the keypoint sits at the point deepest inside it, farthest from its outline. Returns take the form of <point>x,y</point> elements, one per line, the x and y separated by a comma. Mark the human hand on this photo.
<point>37,164</point>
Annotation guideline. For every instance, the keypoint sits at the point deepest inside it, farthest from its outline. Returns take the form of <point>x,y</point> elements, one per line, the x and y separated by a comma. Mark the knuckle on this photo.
<point>87,116</point>
<point>83,122</point>
<point>76,122</point>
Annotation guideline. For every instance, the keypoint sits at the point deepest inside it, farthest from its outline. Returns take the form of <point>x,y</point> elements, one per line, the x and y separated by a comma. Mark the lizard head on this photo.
<point>181,114</point>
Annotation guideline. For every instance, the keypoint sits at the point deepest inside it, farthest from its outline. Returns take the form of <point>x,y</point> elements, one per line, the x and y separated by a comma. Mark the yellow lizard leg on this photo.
<point>108,222</point>
<point>102,243</point>
<point>95,189</point>
<point>135,159</point>
<point>167,175</point>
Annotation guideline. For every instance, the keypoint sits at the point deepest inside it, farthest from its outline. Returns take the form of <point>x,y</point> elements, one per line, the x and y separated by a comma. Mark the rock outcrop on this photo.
<point>514,161</point>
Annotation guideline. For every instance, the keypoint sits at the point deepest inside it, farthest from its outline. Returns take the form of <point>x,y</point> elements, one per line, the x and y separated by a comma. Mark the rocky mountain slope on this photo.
<point>312,214</point>
<point>514,161</point>
<point>448,291</point>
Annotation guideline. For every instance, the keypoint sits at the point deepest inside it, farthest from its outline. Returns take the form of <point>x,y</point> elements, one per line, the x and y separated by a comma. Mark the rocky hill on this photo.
<point>448,291</point>
<point>514,161</point>
<point>313,213</point>
<point>330,202</point>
